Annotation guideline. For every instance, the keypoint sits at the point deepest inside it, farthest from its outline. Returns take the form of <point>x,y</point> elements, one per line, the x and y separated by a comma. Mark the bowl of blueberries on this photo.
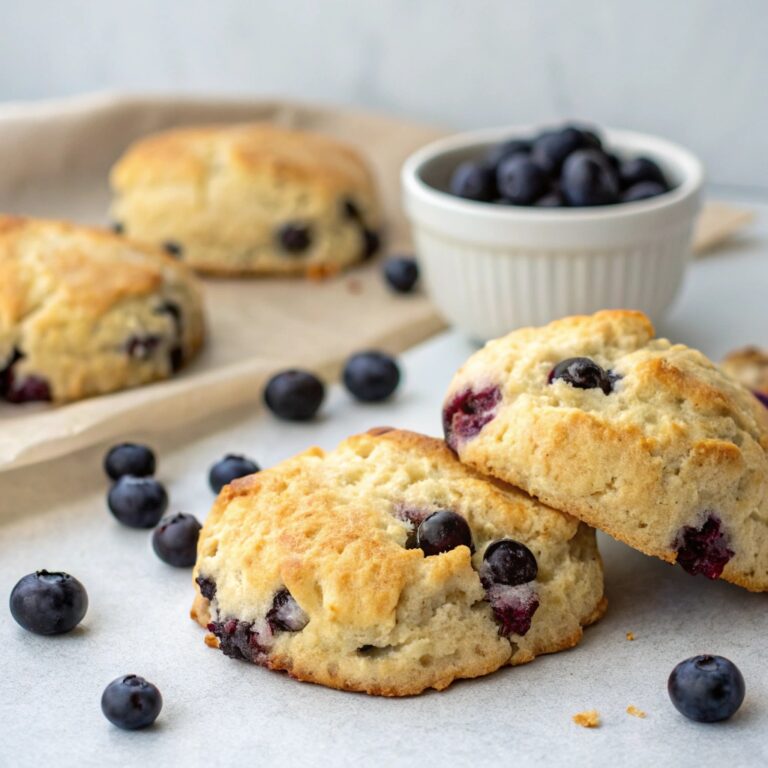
<point>516,227</point>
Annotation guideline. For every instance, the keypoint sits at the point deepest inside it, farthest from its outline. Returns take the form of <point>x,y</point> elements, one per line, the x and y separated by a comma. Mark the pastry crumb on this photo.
<point>635,712</point>
<point>630,635</point>
<point>211,640</point>
<point>588,719</point>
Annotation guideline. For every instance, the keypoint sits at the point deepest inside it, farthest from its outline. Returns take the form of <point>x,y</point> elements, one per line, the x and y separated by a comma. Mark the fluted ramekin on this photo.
<point>492,268</point>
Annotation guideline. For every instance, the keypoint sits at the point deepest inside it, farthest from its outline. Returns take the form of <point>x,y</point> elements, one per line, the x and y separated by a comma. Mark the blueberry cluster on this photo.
<point>564,167</point>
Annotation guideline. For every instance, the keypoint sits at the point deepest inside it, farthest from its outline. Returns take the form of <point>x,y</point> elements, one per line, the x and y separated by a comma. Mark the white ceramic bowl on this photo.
<point>492,268</point>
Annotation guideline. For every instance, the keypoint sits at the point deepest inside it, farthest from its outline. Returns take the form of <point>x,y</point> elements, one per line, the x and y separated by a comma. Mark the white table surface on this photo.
<point>220,712</point>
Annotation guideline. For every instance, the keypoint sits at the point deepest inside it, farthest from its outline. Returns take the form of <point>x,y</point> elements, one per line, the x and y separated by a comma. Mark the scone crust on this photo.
<point>222,193</point>
<point>677,440</point>
<point>89,312</point>
<point>327,527</point>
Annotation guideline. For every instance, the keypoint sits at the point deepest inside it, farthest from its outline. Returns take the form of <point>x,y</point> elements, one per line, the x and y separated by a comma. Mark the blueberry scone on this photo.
<point>84,312</point>
<point>749,366</point>
<point>385,566</point>
<point>249,199</point>
<point>645,440</point>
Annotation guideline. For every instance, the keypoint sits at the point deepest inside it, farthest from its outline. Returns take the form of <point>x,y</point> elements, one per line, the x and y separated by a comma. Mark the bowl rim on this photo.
<point>689,166</point>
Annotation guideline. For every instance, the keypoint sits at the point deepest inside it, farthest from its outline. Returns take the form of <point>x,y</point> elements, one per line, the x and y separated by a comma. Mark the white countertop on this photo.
<point>220,712</point>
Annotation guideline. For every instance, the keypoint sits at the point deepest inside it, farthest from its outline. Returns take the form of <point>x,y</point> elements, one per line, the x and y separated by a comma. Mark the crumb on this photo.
<point>630,635</point>
<point>354,285</point>
<point>588,719</point>
<point>211,640</point>
<point>635,712</point>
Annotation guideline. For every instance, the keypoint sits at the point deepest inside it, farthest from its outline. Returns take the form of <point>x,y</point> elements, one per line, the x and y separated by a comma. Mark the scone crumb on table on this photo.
<point>630,636</point>
<point>635,712</point>
<point>588,719</point>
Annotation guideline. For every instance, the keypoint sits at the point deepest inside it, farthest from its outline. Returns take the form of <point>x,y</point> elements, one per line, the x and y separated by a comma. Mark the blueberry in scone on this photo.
<point>249,199</point>
<point>646,440</point>
<point>386,566</point>
<point>84,312</point>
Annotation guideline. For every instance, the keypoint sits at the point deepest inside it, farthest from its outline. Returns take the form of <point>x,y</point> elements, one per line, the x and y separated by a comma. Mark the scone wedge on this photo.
<point>322,567</point>
<point>646,440</point>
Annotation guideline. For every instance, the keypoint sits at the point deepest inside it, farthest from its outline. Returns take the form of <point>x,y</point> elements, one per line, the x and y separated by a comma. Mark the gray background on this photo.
<point>693,70</point>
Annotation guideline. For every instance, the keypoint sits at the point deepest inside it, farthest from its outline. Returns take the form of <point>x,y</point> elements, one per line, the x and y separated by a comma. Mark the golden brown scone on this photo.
<point>84,312</point>
<point>749,366</point>
<point>249,199</point>
<point>645,440</point>
<point>313,567</point>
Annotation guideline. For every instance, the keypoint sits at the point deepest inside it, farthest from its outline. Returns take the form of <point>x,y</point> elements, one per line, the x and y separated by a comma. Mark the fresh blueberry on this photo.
<point>130,702</point>
<point>521,181</point>
<point>591,139</point>
<point>175,540</point>
<point>443,531</point>
<point>508,562</point>
<point>506,149</point>
<point>643,190</point>
<point>467,413</point>
<point>639,169</point>
<point>474,181</point>
<point>371,244</point>
<point>704,549</point>
<point>294,395</point>
<point>48,603</point>
<point>138,502</point>
<point>551,148</point>
<point>294,237</point>
<point>228,469</point>
<point>286,614</point>
<point>706,688</point>
<point>582,373</point>
<point>129,459</point>
<point>589,179</point>
<point>172,248</point>
<point>371,376</point>
<point>550,200</point>
<point>401,273</point>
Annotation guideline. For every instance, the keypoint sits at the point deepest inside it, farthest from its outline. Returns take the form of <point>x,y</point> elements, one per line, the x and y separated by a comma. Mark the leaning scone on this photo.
<point>645,440</point>
<point>84,312</point>
<point>249,199</point>
<point>385,566</point>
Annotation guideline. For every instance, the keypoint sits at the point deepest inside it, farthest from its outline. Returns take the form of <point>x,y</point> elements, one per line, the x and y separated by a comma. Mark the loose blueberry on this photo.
<point>294,395</point>
<point>520,180</point>
<point>643,190</point>
<point>401,273</point>
<point>506,149</point>
<point>550,200</point>
<point>371,376</point>
<point>48,603</point>
<point>228,469</point>
<point>443,531</point>
<point>172,248</point>
<point>583,373</point>
<point>707,689</point>
<point>551,148</point>
<point>130,702</point>
<point>138,502</point>
<point>508,562</point>
<point>371,244</point>
<point>639,169</point>
<point>467,413</point>
<point>589,179</point>
<point>175,540</point>
<point>474,182</point>
<point>286,614</point>
<point>129,459</point>
<point>294,237</point>
<point>703,550</point>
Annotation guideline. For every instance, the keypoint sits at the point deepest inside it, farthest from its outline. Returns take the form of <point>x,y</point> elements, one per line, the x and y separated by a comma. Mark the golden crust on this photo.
<point>223,192</point>
<point>383,619</point>
<point>71,297</point>
<point>677,440</point>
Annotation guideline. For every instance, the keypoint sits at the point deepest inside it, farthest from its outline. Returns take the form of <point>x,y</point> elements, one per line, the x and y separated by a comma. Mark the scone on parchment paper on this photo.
<point>309,568</point>
<point>645,440</point>
<point>84,312</point>
<point>249,199</point>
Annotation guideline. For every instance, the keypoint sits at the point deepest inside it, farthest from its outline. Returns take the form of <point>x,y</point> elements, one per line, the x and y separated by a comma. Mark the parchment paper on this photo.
<point>55,157</point>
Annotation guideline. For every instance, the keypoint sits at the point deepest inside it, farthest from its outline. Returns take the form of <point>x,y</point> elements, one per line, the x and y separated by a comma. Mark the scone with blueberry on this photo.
<point>646,440</point>
<point>749,366</point>
<point>385,566</point>
<point>84,312</point>
<point>249,199</point>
